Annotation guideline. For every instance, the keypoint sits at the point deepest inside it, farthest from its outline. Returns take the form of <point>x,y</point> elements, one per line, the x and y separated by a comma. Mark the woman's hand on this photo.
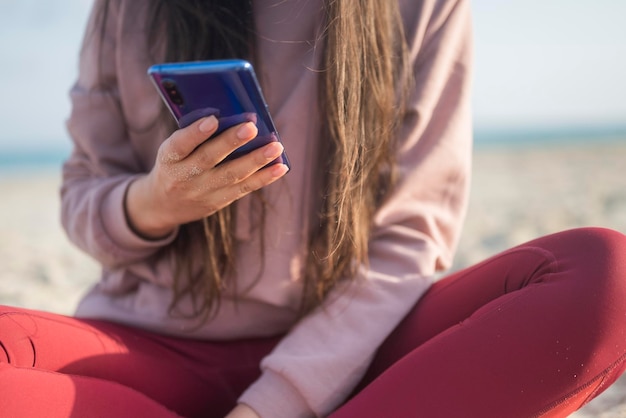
<point>186,182</point>
<point>242,411</point>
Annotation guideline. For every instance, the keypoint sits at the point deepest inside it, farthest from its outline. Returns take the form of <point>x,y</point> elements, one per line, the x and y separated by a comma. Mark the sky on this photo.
<point>549,62</point>
<point>538,63</point>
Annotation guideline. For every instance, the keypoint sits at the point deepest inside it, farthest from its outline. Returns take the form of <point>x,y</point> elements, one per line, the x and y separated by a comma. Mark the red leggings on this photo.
<point>538,330</point>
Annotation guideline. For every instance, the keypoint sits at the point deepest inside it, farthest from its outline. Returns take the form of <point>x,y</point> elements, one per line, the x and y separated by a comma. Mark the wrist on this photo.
<point>142,213</point>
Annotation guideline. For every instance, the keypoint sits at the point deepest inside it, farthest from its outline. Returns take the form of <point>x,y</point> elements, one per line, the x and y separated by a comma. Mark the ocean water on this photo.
<point>541,136</point>
<point>33,161</point>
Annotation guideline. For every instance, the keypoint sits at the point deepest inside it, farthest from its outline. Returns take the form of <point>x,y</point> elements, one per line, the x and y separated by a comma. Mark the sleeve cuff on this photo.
<point>263,394</point>
<point>116,225</point>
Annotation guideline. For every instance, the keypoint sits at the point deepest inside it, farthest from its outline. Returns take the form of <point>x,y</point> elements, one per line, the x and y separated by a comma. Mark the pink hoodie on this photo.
<point>117,128</point>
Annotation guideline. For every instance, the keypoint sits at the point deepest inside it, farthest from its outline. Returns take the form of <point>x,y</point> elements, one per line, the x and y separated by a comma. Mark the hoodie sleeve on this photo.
<point>316,366</point>
<point>103,161</point>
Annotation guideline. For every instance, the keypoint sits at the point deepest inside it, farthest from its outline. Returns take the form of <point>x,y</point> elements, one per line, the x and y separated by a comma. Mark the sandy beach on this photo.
<point>519,192</point>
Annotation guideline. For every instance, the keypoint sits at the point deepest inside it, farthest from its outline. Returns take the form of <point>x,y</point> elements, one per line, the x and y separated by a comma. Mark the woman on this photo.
<point>237,290</point>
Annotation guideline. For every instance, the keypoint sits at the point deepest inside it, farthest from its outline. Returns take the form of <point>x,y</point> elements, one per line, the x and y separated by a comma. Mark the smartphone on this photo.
<point>227,88</point>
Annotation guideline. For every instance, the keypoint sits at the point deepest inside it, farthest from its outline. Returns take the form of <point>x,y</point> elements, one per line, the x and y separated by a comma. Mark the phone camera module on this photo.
<point>172,92</point>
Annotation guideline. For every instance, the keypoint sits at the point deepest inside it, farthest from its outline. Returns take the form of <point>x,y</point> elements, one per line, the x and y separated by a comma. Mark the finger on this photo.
<point>256,181</point>
<point>212,152</point>
<point>241,168</point>
<point>183,142</point>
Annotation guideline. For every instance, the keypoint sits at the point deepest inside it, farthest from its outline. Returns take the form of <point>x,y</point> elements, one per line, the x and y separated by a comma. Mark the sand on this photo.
<point>519,193</point>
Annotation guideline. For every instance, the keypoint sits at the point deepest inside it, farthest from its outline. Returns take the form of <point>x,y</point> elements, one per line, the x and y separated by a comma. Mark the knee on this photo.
<point>598,248</point>
<point>599,235</point>
<point>593,260</point>
<point>597,257</point>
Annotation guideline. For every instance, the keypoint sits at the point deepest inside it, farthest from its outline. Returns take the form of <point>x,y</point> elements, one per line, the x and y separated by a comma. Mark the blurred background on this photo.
<point>540,66</point>
<point>550,136</point>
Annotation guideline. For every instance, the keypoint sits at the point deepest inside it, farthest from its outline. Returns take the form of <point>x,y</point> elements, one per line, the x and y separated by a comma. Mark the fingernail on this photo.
<point>208,124</point>
<point>279,170</point>
<point>273,150</point>
<point>246,131</point>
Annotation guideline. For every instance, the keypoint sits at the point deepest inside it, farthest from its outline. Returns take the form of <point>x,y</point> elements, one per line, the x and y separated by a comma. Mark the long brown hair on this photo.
<point>362,78</point>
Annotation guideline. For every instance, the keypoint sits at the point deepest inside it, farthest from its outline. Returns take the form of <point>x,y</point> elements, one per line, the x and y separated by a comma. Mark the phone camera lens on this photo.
<point>172,92</point>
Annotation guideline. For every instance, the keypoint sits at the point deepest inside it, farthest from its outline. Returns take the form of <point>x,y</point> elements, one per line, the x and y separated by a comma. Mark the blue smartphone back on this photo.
<point>230,86</point>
